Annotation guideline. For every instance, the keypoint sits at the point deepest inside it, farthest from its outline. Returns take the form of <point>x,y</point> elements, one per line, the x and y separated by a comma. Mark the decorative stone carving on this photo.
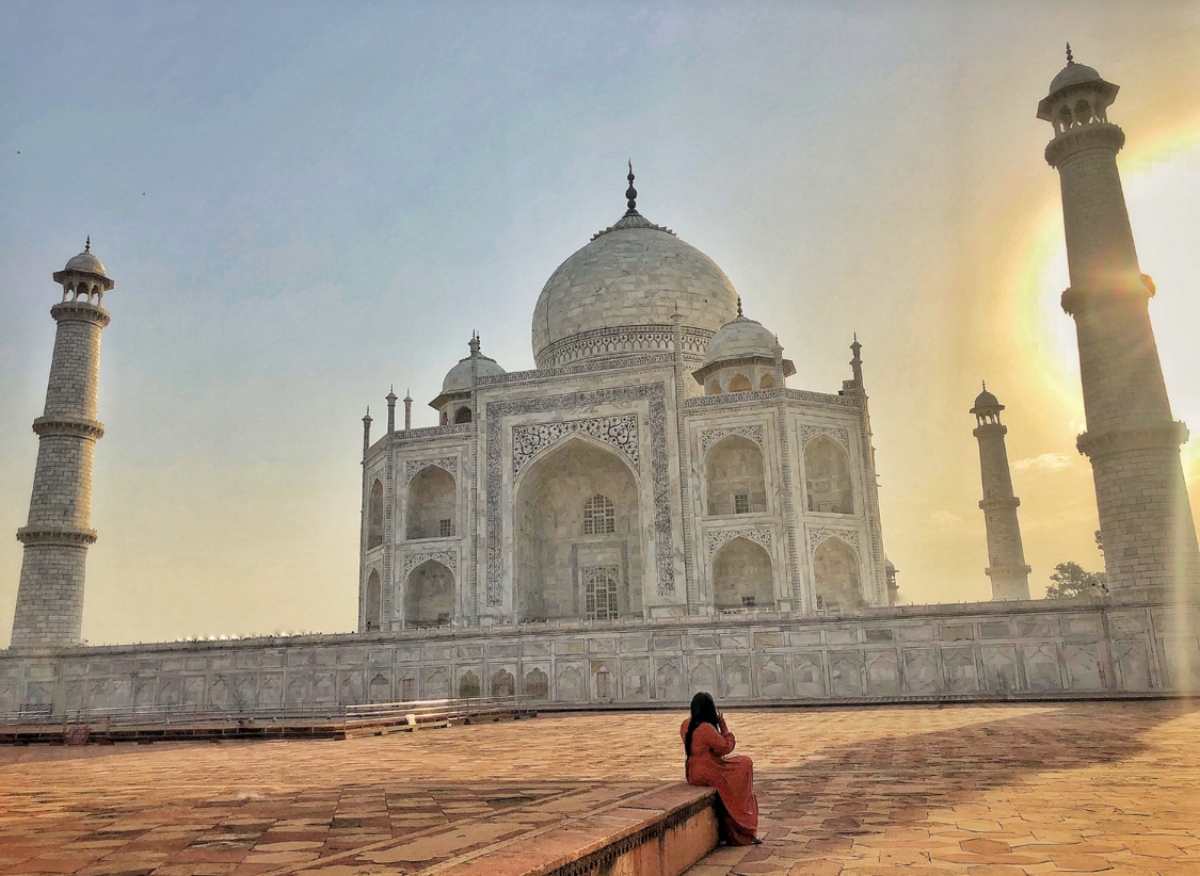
<point>809,432</point>
<point>654,394</point>
<point>759,535</point>
<point>413,467</point>
<point>816,536</point>
<point>712,436</point>
<point>449,559</point>
<point>618,432</point>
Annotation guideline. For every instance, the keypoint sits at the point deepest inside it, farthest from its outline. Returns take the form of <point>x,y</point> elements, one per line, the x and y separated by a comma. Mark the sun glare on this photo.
<point>1162,192</point>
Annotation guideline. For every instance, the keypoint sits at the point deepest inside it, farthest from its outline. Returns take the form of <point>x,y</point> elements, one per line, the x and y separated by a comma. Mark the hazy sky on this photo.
<point>302,204</point>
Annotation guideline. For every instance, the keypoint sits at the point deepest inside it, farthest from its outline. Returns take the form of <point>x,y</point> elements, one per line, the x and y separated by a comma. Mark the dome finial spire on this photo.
<point>631,193</point>
<point>739,305</point>
<point>1070,57</point>
<point>87,247</point>
<point>984,382</point>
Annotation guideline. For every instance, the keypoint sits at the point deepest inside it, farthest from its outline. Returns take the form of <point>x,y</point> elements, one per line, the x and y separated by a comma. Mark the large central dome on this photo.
<point>616,297</point>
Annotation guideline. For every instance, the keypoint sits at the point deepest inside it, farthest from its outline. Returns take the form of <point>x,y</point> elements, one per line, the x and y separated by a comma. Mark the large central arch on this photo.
<point>577,520</point>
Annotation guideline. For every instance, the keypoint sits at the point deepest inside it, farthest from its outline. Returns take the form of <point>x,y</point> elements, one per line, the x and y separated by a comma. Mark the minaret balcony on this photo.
<point>1090,136</point>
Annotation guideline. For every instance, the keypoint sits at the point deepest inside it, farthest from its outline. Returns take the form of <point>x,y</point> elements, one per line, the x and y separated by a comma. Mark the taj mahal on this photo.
<point>654,465</point>
<point>654,509</point>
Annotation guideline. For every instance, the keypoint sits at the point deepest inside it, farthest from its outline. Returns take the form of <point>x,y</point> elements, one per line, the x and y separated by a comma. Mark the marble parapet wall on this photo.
<point>1033,649</point>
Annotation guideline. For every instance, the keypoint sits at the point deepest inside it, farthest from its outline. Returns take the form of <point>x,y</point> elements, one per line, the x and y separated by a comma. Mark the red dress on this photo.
<point>733,778</point>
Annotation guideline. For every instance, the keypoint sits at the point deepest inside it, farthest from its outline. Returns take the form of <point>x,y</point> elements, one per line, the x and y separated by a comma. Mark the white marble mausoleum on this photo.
<point>654,464</point>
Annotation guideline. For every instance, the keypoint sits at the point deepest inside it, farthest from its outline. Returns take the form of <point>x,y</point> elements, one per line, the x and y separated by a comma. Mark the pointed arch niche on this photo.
<point>742,576</point>
<point>429,596</point>
<point>837,581</point>
<point>373,603</point>
<point>734,479</point>
<point>375,516</point>
<point>827,477</point>
<point>561,538</point>
<point>432,504</point>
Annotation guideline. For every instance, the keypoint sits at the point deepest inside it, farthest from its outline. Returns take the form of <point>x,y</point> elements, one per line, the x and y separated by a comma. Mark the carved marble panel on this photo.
<point>703,676</point>
<point>883,673</point>
<point>668,680</point>
<point>845,673</point>
<point>1042,671</point>
<point>999,668</point>
<point>569,685</point>
<point>961,675</point>
<point>1083,666</point>
<point>635,678</point>
<point>921,674</point>
<point>1132,664</point>
<point>808,675</point>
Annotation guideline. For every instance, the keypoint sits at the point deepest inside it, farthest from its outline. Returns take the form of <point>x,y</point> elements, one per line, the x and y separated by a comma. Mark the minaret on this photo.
<point>1131,439</point>
<point>56,537</point>
<point>1006,555</point>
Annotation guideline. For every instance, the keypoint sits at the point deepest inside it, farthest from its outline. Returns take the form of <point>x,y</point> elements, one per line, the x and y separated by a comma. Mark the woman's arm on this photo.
<point>720,741</point>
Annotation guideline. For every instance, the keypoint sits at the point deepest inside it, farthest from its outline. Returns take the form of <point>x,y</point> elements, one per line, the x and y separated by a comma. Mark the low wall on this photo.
<point>1033,648</point>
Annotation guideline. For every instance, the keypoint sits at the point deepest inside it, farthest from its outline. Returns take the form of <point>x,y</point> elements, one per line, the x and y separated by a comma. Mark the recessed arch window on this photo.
<point>599,516</point>
<point>462,415</point>
<point>372,611</point>
<point>600,591</point>
<point>739,383</point>
<point>375,517</point>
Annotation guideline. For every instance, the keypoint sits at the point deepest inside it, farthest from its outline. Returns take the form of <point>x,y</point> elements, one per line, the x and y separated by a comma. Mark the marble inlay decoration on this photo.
<point>816,536</point>
<point>841,436</point>
<point>712,436</point>
<point>618,432</point>
<point>449,559</point>
<point>760,535</point>
<point>413,467</point>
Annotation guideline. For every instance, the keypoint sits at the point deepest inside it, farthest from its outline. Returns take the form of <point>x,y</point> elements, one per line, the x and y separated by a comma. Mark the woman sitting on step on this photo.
<point>707,741</point>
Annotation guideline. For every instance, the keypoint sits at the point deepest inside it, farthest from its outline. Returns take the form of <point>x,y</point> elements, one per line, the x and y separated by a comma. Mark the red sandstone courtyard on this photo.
<point>985,790</point>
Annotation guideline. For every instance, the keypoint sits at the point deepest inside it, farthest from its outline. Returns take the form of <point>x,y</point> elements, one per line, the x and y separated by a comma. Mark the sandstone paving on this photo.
<point>1110,787</point>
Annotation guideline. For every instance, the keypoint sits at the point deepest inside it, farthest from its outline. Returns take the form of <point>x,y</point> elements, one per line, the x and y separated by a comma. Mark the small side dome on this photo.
<point>740,339</point>
<point>1074,74</point>
<point>458,378</point>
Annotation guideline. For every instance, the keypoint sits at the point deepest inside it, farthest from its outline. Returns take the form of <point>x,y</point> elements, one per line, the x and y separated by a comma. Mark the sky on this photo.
<point>303,204</point>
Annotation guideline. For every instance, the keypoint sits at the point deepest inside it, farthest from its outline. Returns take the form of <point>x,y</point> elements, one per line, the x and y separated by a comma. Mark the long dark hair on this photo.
<point>704,711</point>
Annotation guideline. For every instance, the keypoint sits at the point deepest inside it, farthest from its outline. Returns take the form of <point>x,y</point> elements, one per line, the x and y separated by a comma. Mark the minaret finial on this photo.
<point>1070,57</point>
<point>739,305</point>
<point>631,192</point>
<point>984,385</point>
<point>87,247</point>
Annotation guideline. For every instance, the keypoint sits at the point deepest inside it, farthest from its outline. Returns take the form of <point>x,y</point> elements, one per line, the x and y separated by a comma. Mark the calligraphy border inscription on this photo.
<point>660,475</point>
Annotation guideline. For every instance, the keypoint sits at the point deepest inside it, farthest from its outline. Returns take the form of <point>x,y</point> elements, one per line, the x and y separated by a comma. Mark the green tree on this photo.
<point>1072,581</point>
